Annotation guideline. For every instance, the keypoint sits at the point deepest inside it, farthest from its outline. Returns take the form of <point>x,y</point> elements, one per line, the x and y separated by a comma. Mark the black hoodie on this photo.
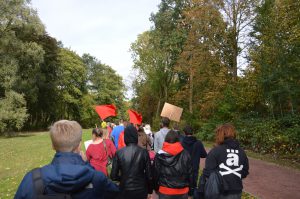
<point>130,135</point>
<point>232,163</point>
<point>196,151</point>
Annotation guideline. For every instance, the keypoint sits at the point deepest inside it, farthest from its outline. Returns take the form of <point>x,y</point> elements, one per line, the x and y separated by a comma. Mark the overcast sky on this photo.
<point>103,28</point>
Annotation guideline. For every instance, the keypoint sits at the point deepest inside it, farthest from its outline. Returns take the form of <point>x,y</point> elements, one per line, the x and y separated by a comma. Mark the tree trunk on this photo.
<point>235,42</point>
<point>158,106</point>
<point>191,91</point>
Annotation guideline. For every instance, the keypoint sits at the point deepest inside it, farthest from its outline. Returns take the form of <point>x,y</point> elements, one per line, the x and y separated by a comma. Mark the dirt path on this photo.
<point>270,181</point>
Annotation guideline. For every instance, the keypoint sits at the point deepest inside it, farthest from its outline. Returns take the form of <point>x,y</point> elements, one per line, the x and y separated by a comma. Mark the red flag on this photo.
<point>105,111</point>
<point>135,118</point>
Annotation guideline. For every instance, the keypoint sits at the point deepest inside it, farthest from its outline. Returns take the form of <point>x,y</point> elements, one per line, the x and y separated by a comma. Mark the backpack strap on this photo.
<point>104,143</point>
<point>38,183</point>
<point>39,187</point>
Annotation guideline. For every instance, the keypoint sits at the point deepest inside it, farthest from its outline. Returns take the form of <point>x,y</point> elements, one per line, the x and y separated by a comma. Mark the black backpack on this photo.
<point>38,186</point>
<point>214,186</point>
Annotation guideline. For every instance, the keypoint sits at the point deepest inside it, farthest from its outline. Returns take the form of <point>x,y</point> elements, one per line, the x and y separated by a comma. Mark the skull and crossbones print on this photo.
<point>232,160</point>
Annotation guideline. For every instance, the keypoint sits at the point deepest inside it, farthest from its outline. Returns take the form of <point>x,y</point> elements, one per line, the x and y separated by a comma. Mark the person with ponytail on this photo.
<point>100,150</point>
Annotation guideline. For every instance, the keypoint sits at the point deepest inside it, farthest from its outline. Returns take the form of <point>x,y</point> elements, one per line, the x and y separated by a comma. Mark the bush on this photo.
<point>273,136</point>
<point>12,112</point>
<point>207,130</point>
<point>280,136</point>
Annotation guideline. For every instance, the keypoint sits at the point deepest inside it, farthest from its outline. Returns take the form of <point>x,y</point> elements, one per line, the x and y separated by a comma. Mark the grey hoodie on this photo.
<point>159,138</point>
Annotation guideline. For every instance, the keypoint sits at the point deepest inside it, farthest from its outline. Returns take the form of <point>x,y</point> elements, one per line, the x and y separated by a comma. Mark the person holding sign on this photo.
<point>159,137</point>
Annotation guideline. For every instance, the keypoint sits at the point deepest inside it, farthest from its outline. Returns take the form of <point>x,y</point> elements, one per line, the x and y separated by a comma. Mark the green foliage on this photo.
<point>270,136</point>
<point>275,55</point>
<point>201,41</point>
<point>155,53</point>
<point>19,60</point>
<point>12,112</point>
<point>104,86</point>
<point>206,132</point>
<point>71,85</point>
<point>41,82</point>
<point>103,83</point>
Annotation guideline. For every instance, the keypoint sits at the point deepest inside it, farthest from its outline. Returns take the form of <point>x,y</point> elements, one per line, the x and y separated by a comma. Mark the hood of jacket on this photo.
<point>130,135</point>
<point>169,154</point>
<point>232,143</point>
<point>188,143</point>
<point>68,173</point>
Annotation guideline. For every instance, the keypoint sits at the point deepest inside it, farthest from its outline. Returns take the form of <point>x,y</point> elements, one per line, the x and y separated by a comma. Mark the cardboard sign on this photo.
<point>172,112</point>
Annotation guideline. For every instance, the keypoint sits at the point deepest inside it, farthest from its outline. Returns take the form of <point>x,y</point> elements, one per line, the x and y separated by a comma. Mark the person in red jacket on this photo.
<point>98,152</point>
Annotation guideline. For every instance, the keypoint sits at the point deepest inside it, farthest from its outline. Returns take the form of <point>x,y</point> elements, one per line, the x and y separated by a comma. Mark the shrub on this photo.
<point>12,112</point>
<point>262,135</point>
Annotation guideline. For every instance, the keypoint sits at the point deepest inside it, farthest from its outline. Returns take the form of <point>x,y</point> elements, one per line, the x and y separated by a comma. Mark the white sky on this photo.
<point>103,28</point>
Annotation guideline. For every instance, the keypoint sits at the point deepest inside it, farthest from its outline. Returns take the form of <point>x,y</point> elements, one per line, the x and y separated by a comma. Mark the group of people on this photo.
<point>166,163</point>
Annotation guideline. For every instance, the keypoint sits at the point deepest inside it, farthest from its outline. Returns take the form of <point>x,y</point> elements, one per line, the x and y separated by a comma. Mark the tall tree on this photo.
<point>202,56</point>
<point>156,52</point>
<point>72,75</point>
<point>16,16</point>
<point>239,15</point>
<point>275,55</point>
<point>104,84</point>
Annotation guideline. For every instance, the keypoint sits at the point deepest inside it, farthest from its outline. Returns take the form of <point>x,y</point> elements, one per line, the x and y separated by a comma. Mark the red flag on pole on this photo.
<point>105,111</point>
<point>135,117</point>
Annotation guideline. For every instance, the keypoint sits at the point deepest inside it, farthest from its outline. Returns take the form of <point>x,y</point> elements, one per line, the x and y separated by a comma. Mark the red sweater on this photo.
<point>96,155</point>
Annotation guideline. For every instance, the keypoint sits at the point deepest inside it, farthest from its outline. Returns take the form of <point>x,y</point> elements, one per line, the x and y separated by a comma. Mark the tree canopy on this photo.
<point>41,81</point>
<point>224,61</point>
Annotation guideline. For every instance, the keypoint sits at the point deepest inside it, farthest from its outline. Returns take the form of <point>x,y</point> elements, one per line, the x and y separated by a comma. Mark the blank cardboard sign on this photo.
<point>172,112</point>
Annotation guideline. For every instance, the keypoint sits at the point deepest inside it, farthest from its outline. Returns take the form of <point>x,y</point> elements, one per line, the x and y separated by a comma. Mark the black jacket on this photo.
<point>172,171</point>
<point>195,149</point>
<point>131,165</point>
<point>232,163</point>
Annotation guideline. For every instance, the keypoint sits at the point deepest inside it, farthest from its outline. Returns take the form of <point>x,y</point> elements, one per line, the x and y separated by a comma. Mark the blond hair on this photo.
<point>65,135</point>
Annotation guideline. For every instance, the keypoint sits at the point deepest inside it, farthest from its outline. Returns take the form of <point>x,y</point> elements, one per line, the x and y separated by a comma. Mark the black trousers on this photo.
<point>164,196</point>
<point>134,194</point>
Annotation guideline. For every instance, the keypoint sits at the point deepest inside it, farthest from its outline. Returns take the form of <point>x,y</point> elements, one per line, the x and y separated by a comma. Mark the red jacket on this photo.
<point>121,142</point>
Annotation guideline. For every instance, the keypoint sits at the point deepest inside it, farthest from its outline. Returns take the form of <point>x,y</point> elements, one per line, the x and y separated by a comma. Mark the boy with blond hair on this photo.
<point>68,175</point>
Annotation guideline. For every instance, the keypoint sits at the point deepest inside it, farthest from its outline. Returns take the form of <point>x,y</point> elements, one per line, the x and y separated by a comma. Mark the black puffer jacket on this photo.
<point>133,163</point>
<point>172,171</point>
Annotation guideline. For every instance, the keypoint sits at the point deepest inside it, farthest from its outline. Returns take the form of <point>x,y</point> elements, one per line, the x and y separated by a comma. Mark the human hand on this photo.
<point>83,156</point>
<point>149,196</point>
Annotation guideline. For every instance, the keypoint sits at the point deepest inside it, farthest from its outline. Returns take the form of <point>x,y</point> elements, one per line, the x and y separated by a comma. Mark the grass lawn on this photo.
<point>20,154</point>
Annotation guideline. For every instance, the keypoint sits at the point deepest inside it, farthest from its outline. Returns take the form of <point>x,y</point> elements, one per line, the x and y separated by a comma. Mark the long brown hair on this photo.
<point>224,131</point>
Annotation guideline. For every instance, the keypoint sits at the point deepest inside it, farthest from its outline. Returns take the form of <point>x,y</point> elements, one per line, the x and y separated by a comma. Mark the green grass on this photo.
<point>20,154</point>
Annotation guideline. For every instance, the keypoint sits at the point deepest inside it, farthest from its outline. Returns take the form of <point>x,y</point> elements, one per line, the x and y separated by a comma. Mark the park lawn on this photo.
<point>22,153</point>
